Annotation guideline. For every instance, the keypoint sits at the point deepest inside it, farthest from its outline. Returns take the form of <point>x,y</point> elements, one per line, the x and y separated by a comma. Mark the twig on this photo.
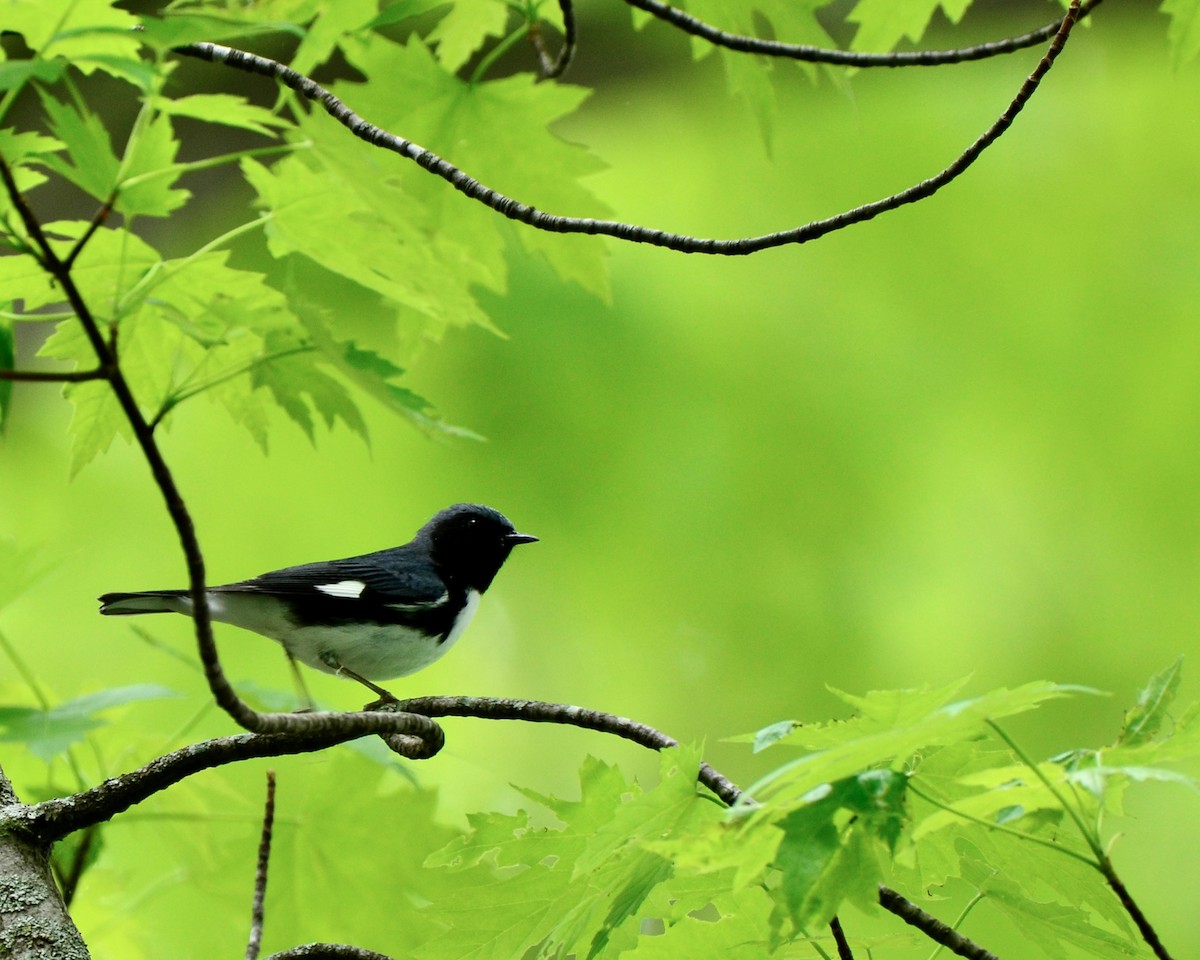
<point>1149,934</point>
<point>813,54</point>
<point>537,711</point>
<point>254,944</point>
<point>553,223</point>
<point>839,937</point>
<point>931,926</point>
<point>51,820</point>
<point>70,880</point>
<point>557,66</point>
<point>49,376</point>
<point>100,216</point>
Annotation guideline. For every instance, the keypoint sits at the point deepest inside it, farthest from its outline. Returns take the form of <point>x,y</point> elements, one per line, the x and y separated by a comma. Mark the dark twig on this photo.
<point>537,711</point>
<point>1149,934</point>
<point>254,944</point>
<point>812,54</point>
<point>54,819</point>
<point>69,880</point>
<point>839,937</point>
<point>557,66</point>
<point>523,213</point>
<point>49,376</point>
<point>99,218</point>
<point>931,926</point>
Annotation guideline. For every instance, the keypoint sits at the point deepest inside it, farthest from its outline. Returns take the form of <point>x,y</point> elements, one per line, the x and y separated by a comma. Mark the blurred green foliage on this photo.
<point>959,439</point>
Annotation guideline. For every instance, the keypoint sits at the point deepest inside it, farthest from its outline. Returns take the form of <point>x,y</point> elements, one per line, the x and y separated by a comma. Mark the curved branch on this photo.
<point>557,66</point>
<point>523,213</point>
<point>539,711</point>
<point>812,54</point>
<point>52,820</point>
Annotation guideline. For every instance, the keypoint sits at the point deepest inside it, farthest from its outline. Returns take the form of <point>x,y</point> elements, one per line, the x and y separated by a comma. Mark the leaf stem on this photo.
<point>160,274</point>
<point>1103,864</point>
<point>959,920</point>
<point>497,52</point>
<point>207,163</point>
<point>1088,834</point>
<point>1001,828</point>
<point>171,402</point>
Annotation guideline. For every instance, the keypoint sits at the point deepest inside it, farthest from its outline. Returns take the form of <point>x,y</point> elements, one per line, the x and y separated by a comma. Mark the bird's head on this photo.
<point>470,542</point>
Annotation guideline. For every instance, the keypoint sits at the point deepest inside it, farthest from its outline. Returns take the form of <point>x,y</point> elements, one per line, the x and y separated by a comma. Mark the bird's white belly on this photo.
<point>374,651</point>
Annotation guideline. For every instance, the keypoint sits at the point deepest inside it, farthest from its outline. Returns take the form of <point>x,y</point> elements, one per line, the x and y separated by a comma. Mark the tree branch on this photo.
<point>557,66</point>
<point>537,711</point>
<point>1149,934</point>
<point>839,938</point>
<point>50,376</point>
<point>54,819</point>
<point>254,943</point>
<point>931,926</point>
<point>523,213</point>
<point>34,922</point>
<point>812,54</point>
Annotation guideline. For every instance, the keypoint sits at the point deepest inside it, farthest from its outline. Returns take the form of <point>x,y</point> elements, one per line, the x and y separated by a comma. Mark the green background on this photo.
<point>960,439</point>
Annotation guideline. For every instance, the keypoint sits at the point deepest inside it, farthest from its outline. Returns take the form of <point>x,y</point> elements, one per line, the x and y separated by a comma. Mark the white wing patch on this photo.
<point>425,605</point>
<point>343,589</point>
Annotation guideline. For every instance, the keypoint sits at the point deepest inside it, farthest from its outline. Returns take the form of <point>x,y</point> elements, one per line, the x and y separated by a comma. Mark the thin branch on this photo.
<point>839,937</point>
<point>49,376</point>
<point>51,820</point>
<point>172,402</point>
<point>100,216</point>
<point>69,881</point>
<point>812,54</point>
<point>523,213</point>
<point>1149,934</point>
<point>557,66</point>
<point>931,926</point>
<point>537,711</point>
<point>254,944</point>
<point>960,920</point>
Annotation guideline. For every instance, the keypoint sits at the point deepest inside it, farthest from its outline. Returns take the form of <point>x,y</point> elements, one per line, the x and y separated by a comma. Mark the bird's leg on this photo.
<point>384,697</point>
<point>310,705</point>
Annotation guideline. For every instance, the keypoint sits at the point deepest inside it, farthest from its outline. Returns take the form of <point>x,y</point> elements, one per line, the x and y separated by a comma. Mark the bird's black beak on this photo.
<point>512,539</point>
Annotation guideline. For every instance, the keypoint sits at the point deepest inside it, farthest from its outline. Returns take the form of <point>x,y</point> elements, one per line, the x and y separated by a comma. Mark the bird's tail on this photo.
<point>151,601</point>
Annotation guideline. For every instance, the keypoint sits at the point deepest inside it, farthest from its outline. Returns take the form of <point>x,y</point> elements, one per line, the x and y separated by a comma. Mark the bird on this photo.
<point>377,616</point>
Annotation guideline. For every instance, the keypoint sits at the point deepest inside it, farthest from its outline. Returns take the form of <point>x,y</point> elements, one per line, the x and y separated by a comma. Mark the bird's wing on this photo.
<point>376,579</point>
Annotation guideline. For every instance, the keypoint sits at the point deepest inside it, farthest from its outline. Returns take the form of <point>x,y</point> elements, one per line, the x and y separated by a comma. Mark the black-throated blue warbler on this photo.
<point>373,617</point>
